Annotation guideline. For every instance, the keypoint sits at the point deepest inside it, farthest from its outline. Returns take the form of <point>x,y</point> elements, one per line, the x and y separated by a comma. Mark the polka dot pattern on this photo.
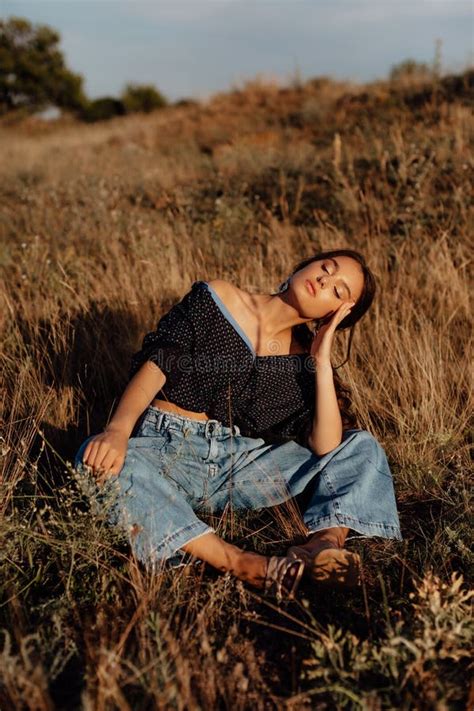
<point>210,368</point>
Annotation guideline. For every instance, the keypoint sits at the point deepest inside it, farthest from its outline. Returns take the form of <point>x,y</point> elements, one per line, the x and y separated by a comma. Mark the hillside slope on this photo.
<point>102,228</point>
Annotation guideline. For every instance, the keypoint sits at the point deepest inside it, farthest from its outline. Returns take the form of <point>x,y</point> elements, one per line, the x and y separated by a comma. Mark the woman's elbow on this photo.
<point>322,450</point>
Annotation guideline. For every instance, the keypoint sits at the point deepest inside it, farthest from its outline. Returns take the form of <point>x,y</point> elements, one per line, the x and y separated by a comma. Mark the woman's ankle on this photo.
<point>228,558</point>
<point>319,541</point>
<point>251,568</point>
<point>327,537</point>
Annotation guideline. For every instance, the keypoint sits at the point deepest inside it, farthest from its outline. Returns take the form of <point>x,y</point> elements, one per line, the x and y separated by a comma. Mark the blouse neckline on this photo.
<point>237,328</point>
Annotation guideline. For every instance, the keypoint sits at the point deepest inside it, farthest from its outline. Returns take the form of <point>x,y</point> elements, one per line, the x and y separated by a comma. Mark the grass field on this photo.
<point>103,228</point>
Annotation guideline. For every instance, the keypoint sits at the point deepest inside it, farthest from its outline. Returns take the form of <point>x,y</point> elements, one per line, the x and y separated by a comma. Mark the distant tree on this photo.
<point>33,73</point>
<point>185,101</point>
<point>102,109</point>
<point>410,69</point>
<point>142,97</point>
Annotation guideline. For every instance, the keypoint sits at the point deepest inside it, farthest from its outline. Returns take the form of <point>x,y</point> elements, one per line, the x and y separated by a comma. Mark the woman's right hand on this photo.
<point>105,454</point>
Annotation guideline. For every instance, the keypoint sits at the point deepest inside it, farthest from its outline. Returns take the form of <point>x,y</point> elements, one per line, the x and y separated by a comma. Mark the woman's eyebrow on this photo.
<point>331,259</point>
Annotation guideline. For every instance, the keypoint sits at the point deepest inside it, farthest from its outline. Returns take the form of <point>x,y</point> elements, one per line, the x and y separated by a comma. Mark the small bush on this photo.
<point>142,97</point>
<point>410,69</point>
<point>103,109</point>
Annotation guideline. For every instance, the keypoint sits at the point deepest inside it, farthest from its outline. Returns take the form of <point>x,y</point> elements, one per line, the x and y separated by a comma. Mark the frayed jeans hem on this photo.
<point>180,558</point>
<point>169,548</point>
<point>384,530</point>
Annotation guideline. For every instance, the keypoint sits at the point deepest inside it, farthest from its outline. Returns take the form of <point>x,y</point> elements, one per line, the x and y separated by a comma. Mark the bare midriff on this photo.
<point>171,407</point>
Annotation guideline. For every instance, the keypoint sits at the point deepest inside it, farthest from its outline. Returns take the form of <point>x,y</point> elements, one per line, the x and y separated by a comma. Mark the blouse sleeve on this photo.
<point>171,344</point>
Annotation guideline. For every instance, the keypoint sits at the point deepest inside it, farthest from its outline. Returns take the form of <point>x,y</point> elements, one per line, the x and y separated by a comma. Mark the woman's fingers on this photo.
<point>87,452</point>
<point>105,456</point>
<point>98,455</point>
<point>108,460</point>
<point>116,467</point>
<point>323,340</point>
<point>342,312</point>
<point>111,471</point>
<point>105,461</point>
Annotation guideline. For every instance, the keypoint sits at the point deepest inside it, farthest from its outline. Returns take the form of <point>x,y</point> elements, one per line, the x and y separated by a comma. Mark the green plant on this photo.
<point>33,73</point>
<point>142,97</point>
<point>420,658</point>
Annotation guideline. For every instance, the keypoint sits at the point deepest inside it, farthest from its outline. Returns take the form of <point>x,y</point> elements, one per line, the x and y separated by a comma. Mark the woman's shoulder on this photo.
<point>228,293</point>
<point>218,289</point>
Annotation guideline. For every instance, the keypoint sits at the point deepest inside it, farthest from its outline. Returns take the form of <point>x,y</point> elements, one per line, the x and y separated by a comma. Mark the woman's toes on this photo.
<point>335,567</point>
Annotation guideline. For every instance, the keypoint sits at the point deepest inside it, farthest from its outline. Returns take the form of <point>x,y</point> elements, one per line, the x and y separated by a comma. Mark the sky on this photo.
<point>195,48</point>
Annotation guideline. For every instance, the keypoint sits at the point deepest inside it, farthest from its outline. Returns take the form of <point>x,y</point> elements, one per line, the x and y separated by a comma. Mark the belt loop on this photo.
<point>159,420</point>
<point>210,430</point>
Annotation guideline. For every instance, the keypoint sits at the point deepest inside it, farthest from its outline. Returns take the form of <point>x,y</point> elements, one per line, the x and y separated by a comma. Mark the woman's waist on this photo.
<point>177,410</point>
<point>165,414</point>
<point>269,423</point>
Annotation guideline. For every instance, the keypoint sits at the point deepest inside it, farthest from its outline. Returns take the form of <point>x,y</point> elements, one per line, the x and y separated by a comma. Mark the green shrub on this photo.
<point>102,109</point>
<point>410,69</point>
<point>142,97</point>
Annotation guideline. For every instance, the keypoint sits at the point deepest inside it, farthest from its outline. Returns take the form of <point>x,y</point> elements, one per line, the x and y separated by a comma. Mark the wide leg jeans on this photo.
<point>177,467</point>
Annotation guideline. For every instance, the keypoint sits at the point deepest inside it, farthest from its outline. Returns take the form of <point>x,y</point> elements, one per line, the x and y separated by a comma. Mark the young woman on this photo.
<point>238,405</point>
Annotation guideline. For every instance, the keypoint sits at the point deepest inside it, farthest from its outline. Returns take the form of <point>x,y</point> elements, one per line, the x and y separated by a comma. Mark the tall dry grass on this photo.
<point>102,229</point>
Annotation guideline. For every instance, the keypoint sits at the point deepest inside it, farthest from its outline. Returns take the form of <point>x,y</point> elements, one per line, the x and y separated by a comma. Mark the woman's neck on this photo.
<point>277,315</point>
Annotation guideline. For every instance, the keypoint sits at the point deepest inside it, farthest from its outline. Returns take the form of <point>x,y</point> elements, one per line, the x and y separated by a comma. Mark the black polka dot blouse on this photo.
<point>211,366</point>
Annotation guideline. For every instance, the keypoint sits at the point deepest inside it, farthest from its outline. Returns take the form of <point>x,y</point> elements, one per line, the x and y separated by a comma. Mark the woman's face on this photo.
<point>335,280</point>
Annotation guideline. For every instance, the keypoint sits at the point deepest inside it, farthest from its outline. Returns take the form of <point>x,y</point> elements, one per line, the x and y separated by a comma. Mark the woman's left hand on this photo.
<point>323,340</point>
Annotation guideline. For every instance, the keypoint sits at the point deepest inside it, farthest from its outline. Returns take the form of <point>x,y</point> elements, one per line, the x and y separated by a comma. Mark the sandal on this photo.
<point>331,567</point>
<point>283,577</point>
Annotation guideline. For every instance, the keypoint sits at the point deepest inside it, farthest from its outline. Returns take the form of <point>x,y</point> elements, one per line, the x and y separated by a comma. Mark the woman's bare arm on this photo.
<point>106,452</point>
<point>326,433</point>
<point>138,394</point>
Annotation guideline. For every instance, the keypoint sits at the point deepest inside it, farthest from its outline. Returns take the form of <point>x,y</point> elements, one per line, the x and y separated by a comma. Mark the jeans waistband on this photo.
<point>162,420</point>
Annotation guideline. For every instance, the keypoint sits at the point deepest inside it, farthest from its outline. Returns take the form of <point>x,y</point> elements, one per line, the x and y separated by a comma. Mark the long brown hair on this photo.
<point>304,333</point>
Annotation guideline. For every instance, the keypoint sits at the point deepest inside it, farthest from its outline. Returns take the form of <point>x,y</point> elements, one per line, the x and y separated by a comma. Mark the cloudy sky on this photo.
<point>193,48</point>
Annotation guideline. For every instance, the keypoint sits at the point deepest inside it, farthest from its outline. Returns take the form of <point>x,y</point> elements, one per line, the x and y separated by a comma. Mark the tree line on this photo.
<point>34,76</point>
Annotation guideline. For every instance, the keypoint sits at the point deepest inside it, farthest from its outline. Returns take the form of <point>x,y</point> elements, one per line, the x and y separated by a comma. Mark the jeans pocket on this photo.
<point>155,442</point>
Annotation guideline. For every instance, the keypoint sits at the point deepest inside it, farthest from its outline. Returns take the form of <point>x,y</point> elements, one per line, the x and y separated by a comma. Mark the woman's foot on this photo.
<point>326,562</point>
<point>331,567</point>
<point>276,575</point>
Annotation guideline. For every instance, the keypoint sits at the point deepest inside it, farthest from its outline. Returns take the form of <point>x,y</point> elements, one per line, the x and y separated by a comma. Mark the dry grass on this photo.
<point>102,229</point>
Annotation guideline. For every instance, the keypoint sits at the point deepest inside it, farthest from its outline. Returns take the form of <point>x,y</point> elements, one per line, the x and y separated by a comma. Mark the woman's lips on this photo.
<point>310,287</point>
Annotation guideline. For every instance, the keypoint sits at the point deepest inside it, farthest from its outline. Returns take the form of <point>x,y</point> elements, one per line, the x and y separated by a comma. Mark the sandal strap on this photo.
<point>277,569</point>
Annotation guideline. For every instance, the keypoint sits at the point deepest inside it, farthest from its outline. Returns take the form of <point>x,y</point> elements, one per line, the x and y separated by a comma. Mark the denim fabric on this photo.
<point>177,467</point>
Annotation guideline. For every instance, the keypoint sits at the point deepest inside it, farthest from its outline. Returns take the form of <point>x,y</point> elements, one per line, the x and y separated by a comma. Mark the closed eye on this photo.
<point>335,290</point>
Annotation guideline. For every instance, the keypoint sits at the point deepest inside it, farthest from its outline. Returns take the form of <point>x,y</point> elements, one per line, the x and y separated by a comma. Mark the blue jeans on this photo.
<point>177,467</point>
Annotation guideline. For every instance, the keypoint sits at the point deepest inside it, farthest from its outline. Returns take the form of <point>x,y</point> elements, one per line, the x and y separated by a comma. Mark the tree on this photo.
<point>33,73</point>
<point>142,97</point>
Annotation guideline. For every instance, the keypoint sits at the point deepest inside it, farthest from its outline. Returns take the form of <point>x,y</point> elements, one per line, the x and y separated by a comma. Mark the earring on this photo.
<point>314,326</point>
<point>284,285</point>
